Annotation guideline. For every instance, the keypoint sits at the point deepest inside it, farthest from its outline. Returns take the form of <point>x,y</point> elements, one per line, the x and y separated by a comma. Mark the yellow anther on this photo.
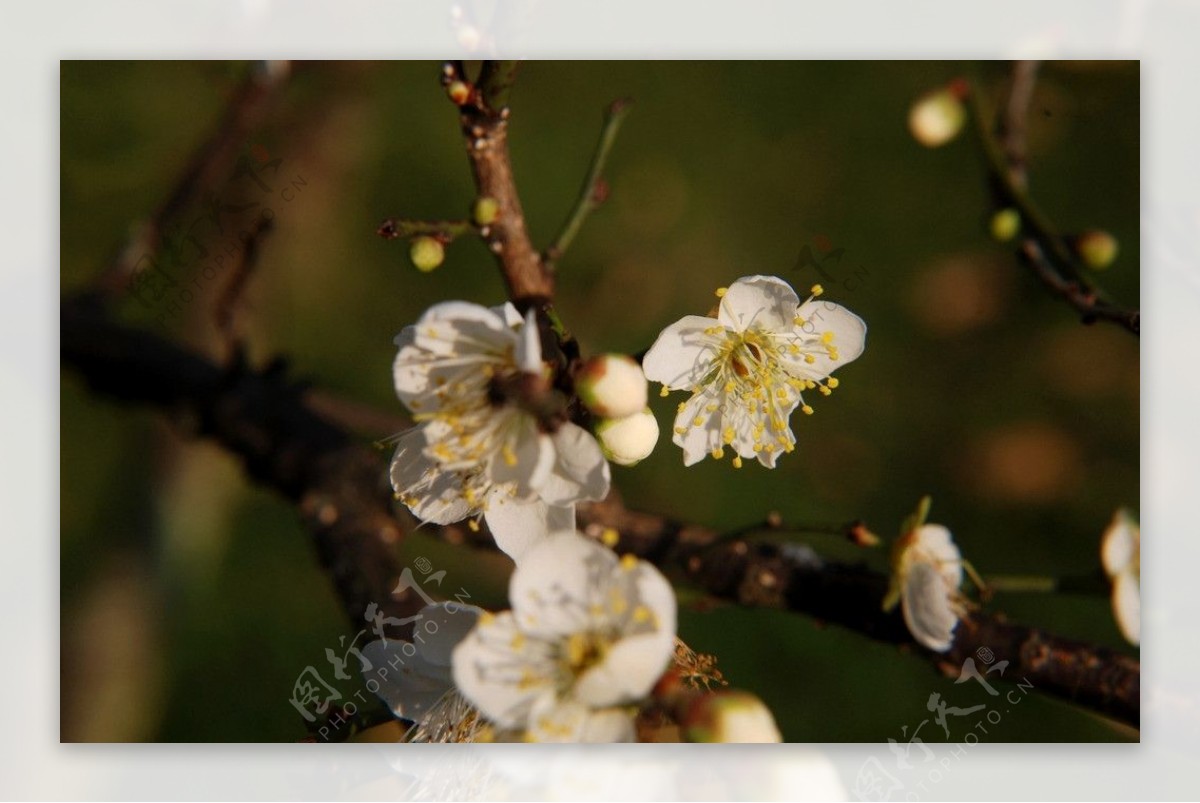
<point>487,618</point>
<point>789,447</point>
<point>518,641</point>
<point>832,382</point>
<point>728,435</point>
<point>825,391</point>
<point>817,290</point>
<point>610,537</point>
<point>680,406</point>
<point>781,393</point>
<point>827,337</point>
<point>510,457</point>
<point>737,462</point>
<point>680,430</point>
<point>473,525</point>
<point>710,408</point>
<point>698,421</point>
<point>799,321</point>
<point>718,453</point>
<point>664,392</point>
<point>730,386</point>
<point>642,614</point>
<point>576,648</point>
<point>807,410</point>
<point>810,359</point>
<point>629,561</point>
<point>617,602</point>
<point>721,291</point>
<point>794,349</point>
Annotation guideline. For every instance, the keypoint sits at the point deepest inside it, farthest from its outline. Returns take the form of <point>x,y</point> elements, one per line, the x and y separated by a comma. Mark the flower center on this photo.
<point>583,651</point>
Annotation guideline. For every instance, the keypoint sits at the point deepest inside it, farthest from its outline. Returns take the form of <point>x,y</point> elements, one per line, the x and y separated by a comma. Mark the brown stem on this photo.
<point>485,130</point>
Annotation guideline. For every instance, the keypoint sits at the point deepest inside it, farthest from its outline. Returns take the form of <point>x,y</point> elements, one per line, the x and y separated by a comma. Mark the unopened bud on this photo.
<point>730,717</point>
<point>426,253</point>
<point>629,440</point>
<point>937,117</point>
<point>485,211</point>
<point>1097,248</point>
<point>611,385</point>
<point>458,92</point>
<point>859,535</point>
<point>1004,225</point>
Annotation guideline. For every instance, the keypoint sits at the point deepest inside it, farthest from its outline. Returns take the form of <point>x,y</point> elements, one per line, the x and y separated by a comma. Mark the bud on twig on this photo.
<point>485,211</point>
<point>426,253</point>
<point>938,116</point>
<point>611,385</point>
<point>1004,225</point>
<point>629,440</point>
<point>1097,248</point>
<point>729,717</point>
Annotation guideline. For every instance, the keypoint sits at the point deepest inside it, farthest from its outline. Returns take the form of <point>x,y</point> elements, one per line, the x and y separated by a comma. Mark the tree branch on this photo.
<point>483,117</point>
<point>1041,246</point>
<point>261,417</point>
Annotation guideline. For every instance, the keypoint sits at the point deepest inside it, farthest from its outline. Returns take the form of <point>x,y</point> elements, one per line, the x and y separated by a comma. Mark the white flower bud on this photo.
<point>611,385</point>
<point>937,117</point>
<point>734,717</point>
<point>626,441</point>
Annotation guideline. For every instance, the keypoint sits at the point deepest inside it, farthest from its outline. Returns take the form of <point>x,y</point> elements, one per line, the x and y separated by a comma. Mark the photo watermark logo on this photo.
<point>210,244</point>
<point>874,782</point>
<point>314,697</point>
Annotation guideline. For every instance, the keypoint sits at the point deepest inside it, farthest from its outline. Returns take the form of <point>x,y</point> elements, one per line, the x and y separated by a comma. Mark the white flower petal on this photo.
<point>502,672</point>
<point>767,303</point>
<point>683,355</point>
<point>407,683</point>
<point>849,337</point>
<point>441,627</point>
<point>927,603</point>
<point>628,671</point>
<point>560,721</point>
<point>431,493</point>
<point>555,585</point>
<point>698,440</point>
<point>519,526</point>
<point>529,347</point>
<point>509,314</point>
<point>1121,544</point>
<point>460,327</point>
<point>1127,606</point>
<point>526,458</point>
<point>580,471</point>
<point>933,544</point>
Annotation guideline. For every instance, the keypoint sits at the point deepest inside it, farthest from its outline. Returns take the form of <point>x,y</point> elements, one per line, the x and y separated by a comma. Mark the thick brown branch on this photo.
<point>796,578</point>
<point>261,417</point>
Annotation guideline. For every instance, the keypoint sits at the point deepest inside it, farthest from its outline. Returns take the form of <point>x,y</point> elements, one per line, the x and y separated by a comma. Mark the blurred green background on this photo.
<point>191,600</point>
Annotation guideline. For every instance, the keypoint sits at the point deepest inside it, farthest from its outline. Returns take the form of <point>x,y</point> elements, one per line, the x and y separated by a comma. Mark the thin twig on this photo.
<point>484,121</point>
<point>445,230</point>
<point>210,162</point>
<point>595,189</point>
<point>228,301</point>
<point>1041,246</point>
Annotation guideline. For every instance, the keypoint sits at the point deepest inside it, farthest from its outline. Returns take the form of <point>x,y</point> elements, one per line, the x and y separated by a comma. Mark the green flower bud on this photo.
<point>1004,225</point>
<point>426,253</point>
<point>486,211</point>
<point>1097,248</point>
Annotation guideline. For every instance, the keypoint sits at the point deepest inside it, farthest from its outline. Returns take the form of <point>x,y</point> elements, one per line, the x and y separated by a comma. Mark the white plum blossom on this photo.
<point>927,570</point>
<point>414,678</point>
<point>1121,553</point>
<point>748,368</point>
<point>474,450</point>
<point>588,635</point>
